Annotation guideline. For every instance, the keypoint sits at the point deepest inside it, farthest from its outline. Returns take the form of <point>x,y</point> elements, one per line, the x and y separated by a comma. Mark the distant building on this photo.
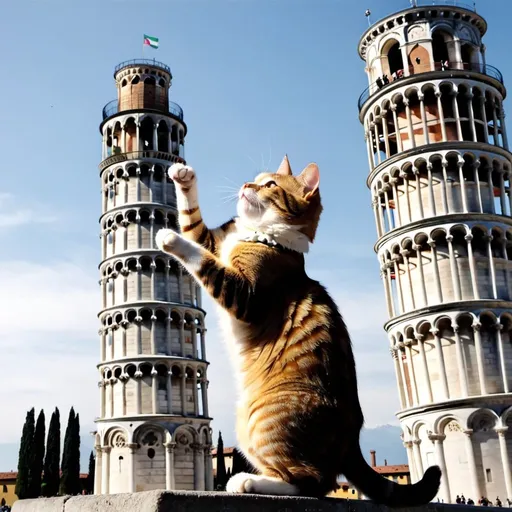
<point>228,459</point>
<point>8,485</point>
<point>398,473</point>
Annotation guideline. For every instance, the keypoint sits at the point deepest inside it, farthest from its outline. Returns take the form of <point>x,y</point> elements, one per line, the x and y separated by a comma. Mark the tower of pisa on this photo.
<point>153,429</point>
<point>440,179</point>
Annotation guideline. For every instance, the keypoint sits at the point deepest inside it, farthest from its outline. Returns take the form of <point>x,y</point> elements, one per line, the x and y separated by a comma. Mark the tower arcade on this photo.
<point>153,429</point>
<point>440,179</point>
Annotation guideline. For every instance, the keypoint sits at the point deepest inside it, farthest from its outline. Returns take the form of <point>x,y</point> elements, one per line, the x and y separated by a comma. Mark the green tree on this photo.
<point>92,472</point>
<point>36,466</point>
<point>221,478</point>
<point>51,475</point>
<point>25,457</point>
<point>70,480</point>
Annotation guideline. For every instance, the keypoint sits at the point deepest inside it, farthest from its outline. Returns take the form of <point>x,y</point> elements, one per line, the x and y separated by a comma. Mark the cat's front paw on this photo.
<point>165,239</point>
<point>240,483</point>
<point>182,174</point>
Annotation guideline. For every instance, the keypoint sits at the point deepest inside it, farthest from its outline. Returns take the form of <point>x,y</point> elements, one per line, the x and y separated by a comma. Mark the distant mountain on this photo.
<point>386,441</point>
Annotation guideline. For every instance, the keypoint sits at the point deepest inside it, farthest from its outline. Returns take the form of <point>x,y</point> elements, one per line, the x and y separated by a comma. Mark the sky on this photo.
<point>256,79</point>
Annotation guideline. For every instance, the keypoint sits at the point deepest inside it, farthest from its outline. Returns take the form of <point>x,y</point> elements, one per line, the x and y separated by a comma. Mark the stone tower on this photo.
<point>153,430</point>
<point>440,179</point>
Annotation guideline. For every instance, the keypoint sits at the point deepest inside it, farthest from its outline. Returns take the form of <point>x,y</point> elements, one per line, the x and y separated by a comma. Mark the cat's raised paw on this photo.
<point>165,239</point>
<point>240,483</point>
<point>182,174</point>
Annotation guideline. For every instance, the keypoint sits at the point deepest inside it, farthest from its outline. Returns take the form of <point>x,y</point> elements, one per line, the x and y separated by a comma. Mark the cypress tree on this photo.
<point>51,476</point>
<point>36,467</point>
<point>221,479</point>
<point>70,480</point>
<point>92,471</point>
<point>75,457</point>
<point>25,457</point>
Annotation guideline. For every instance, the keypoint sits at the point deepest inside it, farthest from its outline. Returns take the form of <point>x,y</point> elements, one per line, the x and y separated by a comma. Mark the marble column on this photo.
<point>505,459</point>
<point>169,466</point>
<point>438,439</point>
<point>98,470</point>
<point>105,470</point>
<point>199,473</point>
<point>131,466</point>
<point>470,453</point>
<point>208,467</point>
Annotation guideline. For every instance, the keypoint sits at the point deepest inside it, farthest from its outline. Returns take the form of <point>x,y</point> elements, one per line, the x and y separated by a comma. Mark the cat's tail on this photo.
<point>386,492</point>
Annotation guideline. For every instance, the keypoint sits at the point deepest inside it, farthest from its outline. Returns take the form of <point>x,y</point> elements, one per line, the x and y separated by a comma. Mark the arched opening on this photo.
<point>392,61</point>
<point>149,92</point>
<point>147,130</point>
<point>443,49</point>
<point>163,137</point>
<point>467,54</point>
<point>131,135</point>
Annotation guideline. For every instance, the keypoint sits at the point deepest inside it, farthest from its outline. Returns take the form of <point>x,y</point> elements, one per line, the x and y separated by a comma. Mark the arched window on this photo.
<point>392,62</point>
<point>443,48</point>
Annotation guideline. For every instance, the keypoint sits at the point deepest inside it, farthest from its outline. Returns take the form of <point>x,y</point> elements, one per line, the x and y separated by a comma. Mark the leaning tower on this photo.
<point>153,430</point>
<point>440,178</point>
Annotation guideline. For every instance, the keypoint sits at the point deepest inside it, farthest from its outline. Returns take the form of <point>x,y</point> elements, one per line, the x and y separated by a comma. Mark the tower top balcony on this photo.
<point>414,23</point>
<point>142,84</point>
<point>141,64</point>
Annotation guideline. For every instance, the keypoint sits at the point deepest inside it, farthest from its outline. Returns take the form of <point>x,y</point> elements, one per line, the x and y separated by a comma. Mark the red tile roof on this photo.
<point>228,450</point>
<point>399,468</point>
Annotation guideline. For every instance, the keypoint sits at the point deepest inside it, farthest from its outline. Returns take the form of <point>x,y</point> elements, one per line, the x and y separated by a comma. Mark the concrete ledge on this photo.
<point>190,501</point>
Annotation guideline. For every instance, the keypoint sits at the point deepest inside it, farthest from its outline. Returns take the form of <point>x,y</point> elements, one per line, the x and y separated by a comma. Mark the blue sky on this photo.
<point>256,79</point>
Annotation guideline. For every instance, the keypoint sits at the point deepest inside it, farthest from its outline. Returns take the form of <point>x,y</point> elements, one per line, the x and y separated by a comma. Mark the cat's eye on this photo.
<point>270,184</point>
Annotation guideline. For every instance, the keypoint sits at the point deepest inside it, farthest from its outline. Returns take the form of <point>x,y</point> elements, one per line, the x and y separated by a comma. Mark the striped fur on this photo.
<point>299,416</point>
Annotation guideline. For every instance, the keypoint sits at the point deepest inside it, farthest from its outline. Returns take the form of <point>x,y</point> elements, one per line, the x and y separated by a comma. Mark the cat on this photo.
<point>298,415</point>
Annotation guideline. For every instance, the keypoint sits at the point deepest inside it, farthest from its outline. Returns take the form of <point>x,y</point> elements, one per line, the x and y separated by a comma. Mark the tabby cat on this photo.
<point>299,416</point>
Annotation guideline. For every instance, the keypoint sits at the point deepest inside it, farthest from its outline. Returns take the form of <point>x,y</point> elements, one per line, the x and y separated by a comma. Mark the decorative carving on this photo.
<point>119,440</point>
<point>416,32</point>
<point>183,440</point>
<point>453,426</point>
<point>150,439</point>
<point>483,424</point>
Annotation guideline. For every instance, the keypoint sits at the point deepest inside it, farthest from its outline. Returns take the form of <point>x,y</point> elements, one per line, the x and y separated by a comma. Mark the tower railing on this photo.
<point>112,108</point>
<point>382,82</point>
<point>142,62</point>
<point>447,3</point>
<point>137,155</point>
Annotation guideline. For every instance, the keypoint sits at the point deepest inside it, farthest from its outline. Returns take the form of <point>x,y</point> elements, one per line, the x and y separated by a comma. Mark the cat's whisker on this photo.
<point>231,181</point>
<point>255,164</point>
<point>230,198</point>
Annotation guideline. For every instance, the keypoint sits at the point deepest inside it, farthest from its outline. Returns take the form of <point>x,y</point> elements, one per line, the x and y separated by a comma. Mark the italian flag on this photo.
<point>151,41</point>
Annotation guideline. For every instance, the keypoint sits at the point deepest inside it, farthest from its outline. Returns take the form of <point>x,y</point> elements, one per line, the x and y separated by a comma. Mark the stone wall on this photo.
<point>159,501</point>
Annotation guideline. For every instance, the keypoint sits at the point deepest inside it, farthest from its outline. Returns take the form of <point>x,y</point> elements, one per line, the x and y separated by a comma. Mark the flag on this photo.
<point>151,41</point>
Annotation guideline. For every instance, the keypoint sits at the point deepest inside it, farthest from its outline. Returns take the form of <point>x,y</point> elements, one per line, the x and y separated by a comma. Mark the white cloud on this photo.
<point>48,342</point>
<point>13,214</point>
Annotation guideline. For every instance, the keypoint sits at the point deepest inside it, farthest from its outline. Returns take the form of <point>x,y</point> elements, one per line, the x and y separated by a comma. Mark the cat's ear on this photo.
<point>309,178</point>
<point>284,168</point>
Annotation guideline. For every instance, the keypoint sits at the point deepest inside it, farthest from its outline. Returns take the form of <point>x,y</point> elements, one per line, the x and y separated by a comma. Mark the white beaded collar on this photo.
<point>275,237</point>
